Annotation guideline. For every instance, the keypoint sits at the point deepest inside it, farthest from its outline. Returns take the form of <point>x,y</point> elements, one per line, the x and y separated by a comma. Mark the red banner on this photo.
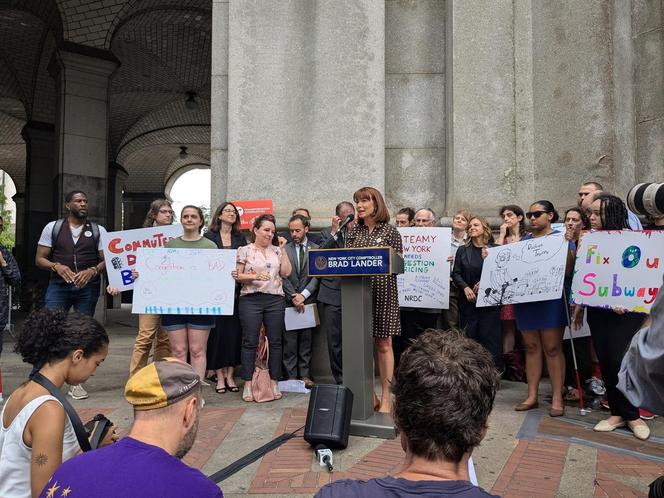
<point>250,210</point>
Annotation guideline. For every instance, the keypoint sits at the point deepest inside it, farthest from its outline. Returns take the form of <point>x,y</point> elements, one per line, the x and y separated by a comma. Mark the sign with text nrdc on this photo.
<point>425,282</point>
<point>350,262</point>
<point>250,210</point>
<point>621,268</point>
<point>120,250</point>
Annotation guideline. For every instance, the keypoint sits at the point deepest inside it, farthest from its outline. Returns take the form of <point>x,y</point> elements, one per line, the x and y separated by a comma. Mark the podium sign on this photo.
<point>356,266</point>
<point>351,262</point>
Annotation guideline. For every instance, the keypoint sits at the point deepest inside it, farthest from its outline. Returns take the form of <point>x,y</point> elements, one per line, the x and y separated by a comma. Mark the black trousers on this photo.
<point>583,360</point>
<point>330,325</point>
<point>483,325</point>
<point>611,335</point>
<point>257,309</point>
<point>297,352</point>
<point>413,323</point>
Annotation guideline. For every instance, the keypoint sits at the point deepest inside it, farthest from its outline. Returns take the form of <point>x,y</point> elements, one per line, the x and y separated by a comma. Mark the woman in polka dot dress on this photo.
<point>373,230</point>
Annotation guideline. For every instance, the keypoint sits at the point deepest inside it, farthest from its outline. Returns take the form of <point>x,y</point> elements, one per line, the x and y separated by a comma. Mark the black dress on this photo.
<point>225,339</point>
<point>481,324</point>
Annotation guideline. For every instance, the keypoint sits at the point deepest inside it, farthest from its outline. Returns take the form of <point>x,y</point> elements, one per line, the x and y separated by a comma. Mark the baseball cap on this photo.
<point>160,384</point>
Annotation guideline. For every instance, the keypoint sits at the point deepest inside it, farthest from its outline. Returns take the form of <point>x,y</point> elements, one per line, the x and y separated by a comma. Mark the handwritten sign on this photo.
<point>619,268</point>
<point>184,282</point>
<point>523,272</point>
<point>425,282</point>
<point>120,250</point>
<point>250,210</point>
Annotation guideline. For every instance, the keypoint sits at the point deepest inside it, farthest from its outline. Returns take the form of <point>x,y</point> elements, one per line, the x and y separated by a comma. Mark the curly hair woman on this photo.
<point>36,435</point>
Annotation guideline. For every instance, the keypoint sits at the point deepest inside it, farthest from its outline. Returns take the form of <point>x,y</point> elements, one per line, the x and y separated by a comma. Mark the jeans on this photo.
<point>63,295</point>
<point>257,309</point>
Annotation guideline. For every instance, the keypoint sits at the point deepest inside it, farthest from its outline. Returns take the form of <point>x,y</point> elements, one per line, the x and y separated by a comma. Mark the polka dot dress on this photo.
<point>384,293</point>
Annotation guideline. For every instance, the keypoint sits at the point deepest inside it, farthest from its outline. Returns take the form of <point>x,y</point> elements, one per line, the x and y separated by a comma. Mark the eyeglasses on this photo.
<point>535,214</point>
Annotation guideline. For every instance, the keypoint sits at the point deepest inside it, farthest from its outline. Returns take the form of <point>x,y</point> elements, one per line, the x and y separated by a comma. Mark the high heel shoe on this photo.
<point>230,388</point>
<point>247,395</point>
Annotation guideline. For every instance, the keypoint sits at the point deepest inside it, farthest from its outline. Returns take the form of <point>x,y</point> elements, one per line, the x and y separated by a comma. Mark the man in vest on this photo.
<point>71,250</point>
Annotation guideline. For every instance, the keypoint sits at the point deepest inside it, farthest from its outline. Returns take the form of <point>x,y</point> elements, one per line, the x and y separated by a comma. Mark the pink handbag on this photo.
<point>261,384</point>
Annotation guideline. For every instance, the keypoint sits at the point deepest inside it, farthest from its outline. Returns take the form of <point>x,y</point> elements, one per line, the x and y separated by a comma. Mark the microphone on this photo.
<point>348,219</point>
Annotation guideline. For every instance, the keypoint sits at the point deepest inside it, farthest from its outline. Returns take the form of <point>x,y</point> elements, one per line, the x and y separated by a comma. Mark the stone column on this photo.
<point>219,104</point>
<point>40,200</point>
<point>415,104</point>
<point>306,113</point>
<point>648,35</point>
<point>482,171</point>
<point>81,129</point>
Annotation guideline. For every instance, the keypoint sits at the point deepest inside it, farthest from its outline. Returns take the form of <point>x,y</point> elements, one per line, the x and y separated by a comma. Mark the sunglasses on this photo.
<point>535,214</point>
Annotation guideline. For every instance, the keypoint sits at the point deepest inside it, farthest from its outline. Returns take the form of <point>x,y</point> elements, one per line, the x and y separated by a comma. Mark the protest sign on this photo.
<point>425,282</point>
<point>120,250</point>
<point>184,282</point>
<point>523,272</point>
<point>250,210</point>
<point>619,268</point>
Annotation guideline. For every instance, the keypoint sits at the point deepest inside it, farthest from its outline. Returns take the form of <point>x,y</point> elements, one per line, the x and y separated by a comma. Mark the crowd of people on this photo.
<point>271,274</point>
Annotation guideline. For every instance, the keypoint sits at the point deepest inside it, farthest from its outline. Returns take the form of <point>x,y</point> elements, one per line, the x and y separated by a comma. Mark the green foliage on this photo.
<point>7,237</point>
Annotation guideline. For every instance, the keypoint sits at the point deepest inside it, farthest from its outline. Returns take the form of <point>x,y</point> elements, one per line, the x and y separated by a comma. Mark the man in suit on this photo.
<point>329,295</point>
<point>299,290</point>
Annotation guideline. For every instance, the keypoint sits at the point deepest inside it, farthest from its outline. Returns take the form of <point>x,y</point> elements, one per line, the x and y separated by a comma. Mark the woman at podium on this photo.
<point>373,230</point>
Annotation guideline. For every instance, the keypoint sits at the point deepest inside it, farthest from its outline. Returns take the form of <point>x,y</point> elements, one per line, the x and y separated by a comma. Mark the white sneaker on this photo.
<point>77,392</point>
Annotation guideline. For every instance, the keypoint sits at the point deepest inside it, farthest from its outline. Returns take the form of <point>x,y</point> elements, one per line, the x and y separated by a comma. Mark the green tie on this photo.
<point>301,258</point>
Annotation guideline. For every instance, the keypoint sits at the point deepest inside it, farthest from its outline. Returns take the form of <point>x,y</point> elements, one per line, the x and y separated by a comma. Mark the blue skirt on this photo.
<point>541,315</point>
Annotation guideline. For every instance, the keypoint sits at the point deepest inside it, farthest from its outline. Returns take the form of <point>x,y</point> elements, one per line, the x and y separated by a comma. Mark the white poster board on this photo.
<point>120,250</point>
<point>619,268</point>
<point>184,282</point>
<point>523,272</point>
<point>425,282</point>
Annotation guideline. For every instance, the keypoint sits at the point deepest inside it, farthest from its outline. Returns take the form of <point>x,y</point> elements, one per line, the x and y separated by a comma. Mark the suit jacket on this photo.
<point>236,240</point>
<point>298,280</point>
<point>329,291</point>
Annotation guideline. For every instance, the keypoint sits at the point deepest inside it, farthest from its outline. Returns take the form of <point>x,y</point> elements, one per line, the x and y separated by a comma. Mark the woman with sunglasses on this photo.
<point>542,323</point>
<point>612,330</point>
<point>225,340</point>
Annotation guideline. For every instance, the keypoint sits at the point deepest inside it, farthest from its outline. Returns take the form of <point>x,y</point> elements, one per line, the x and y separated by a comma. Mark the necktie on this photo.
<point>301,258</point>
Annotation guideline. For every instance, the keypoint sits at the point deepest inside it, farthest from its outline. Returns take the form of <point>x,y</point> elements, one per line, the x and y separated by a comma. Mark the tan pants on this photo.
<point>149,333</point>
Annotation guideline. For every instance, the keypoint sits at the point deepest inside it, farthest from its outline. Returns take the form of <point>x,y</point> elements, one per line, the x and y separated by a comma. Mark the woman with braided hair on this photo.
<point>612,329</point>
<point>36,434</point>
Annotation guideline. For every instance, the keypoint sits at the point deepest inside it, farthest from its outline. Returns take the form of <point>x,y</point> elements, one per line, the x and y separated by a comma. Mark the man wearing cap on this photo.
<point>166,396</point>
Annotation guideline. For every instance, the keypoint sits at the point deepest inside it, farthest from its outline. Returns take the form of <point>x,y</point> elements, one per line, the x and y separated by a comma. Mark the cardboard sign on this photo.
<point>120,250</point>
<point>250,210</point>
<point>184,282</point>
<point>425,282</point>
<point>522,272</point>
<point>619,268</point>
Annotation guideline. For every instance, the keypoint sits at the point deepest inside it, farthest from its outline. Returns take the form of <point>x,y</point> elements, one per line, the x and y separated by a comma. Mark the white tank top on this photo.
<point>15,456</point>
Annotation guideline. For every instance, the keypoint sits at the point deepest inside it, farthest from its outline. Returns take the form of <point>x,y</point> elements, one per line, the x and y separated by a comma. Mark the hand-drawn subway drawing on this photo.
<point>530,270</point>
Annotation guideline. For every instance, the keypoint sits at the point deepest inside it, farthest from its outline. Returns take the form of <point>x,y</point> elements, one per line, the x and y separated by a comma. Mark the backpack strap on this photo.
<point>81,435</point>
<point>95,233</point>
<point>56,231</point>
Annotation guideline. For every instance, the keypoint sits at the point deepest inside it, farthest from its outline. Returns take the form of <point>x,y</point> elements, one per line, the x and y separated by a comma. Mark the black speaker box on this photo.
<point>328,416</point>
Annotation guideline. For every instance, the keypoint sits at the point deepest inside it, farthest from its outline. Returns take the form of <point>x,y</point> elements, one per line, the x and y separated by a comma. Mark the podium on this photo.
<point>356,266</point>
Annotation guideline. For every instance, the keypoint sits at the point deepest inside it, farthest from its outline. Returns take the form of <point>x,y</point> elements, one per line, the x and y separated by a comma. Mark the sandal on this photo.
<point>276,391</point>
<point>220,390</point>
<point>247,395</point>
<point>232,388</point>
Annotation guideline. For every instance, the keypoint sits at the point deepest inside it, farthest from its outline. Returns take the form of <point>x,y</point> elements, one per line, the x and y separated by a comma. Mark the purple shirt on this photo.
<point>126,469</point>
<point>401,488</point>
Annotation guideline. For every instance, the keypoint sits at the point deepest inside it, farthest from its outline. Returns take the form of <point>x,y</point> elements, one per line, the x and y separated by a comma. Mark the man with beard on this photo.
<point>70,248</point>
<point>166,396</point>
